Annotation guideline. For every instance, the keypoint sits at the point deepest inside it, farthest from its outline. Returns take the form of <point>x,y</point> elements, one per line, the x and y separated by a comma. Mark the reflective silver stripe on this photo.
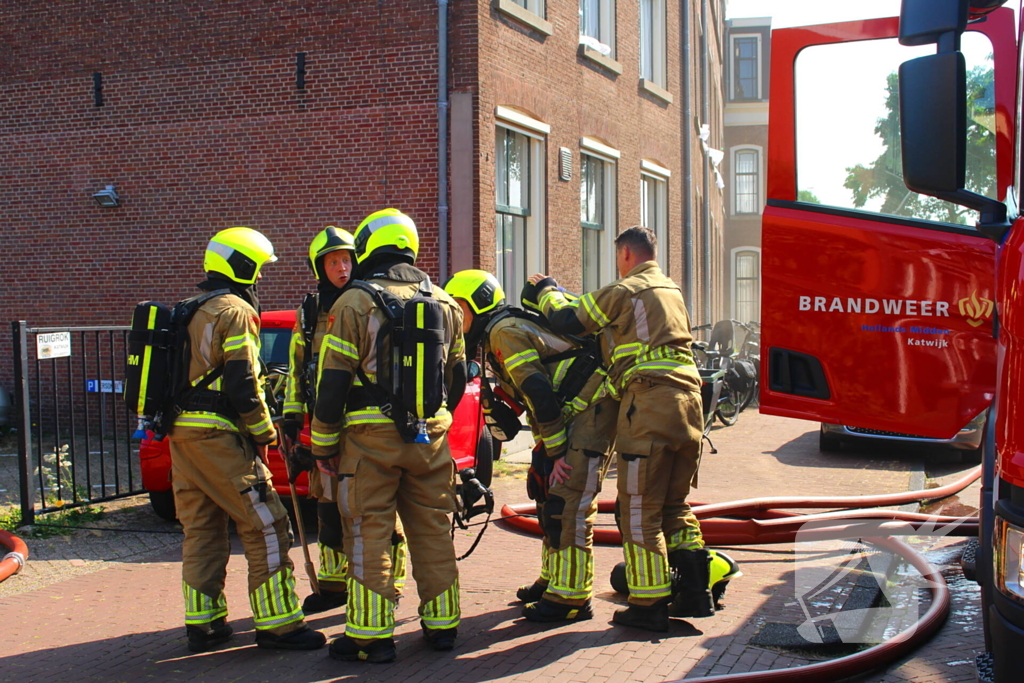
<point>206,344</point>
<point>269,532</point>
<point>370,362</point>
<point>640,315</point>
<point>384,221</point>
<point>219,249</point>
<point>358,570</point>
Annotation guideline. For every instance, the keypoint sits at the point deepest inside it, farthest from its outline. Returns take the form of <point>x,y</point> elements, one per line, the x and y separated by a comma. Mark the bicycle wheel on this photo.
<point>747,397</point>
<point>728,410</point>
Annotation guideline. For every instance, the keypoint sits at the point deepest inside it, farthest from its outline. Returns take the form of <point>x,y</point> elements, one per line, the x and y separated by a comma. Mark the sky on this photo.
<point>841,88</point>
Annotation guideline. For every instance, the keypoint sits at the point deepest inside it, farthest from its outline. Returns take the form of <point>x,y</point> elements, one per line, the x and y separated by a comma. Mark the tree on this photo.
<point>883,179</point>
<point>807,197</point>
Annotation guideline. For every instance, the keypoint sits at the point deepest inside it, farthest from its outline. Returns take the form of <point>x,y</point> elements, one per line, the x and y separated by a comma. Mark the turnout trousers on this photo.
<point>567,514</point>
<point>380,476</point>
<point>216,475</point>
<point>330,537</point>
<point>659,443</point>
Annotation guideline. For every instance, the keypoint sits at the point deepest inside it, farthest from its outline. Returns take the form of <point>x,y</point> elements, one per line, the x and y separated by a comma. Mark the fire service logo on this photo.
<point>976,309</point>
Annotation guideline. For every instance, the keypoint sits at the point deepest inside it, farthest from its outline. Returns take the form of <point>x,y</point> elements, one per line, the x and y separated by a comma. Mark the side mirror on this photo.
<point>928,21</point>
<point>473,370</point>
<point>933,123</point>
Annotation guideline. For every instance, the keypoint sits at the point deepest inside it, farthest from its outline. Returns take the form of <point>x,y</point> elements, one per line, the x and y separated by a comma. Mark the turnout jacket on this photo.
<point>648,321</point>
<point>350,344</point>
<point>515,350</point>
<point>294,393</point>
<point>225,332</point>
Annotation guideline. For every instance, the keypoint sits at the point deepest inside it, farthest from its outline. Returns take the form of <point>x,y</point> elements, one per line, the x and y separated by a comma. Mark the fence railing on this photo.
<point>74,431</point>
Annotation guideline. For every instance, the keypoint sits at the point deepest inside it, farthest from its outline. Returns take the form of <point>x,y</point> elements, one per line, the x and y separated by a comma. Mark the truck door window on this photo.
<point>848,132</point>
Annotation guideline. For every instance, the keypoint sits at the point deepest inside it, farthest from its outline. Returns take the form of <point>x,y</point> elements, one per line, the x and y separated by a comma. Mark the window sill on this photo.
<point>524,16</point>
<point>604,62</point>
<point>652,88</point>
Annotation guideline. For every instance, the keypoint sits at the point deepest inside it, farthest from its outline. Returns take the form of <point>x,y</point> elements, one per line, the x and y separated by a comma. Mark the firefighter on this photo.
<point>573,435</point>
<point>383,468</point>
<point>331,259</point>
<point>658,432</point>
<point>218,460</point>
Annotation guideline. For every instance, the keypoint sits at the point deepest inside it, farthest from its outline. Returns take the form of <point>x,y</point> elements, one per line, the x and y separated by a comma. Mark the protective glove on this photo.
<point>293,423</point>
<point>528,297</point>
<point>538,474</point>
<point>299,460</point>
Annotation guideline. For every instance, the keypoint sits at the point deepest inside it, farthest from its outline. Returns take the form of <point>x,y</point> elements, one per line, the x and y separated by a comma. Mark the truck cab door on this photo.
<point>877,303</point>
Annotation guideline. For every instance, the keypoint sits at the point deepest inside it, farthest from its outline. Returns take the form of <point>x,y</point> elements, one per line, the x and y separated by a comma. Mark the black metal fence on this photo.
<point>74,431</point>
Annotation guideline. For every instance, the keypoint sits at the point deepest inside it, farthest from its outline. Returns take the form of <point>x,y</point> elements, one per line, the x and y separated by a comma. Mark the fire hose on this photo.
<point>758,521</point>
<point>13,561</point>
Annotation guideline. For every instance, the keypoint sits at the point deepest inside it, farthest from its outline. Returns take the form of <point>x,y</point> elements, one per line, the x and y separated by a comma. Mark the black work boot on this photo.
<point>203,639</point>
<point>303,639</point>
<point>532,593</point>
<point>376,651</point>
<point>440,638</point>
<point>546,611</point>
<point>648,617</point>
<point>324,600</point>
<point>691,584</point>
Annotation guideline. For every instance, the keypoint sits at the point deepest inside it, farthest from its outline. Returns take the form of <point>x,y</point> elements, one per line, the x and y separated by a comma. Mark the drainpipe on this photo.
<point>442,136</point>
<point>687,161</point>
<point>706,118</point>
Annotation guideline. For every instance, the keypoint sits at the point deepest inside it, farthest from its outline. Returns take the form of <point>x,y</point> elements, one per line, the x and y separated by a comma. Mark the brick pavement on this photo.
<point>122,623</point>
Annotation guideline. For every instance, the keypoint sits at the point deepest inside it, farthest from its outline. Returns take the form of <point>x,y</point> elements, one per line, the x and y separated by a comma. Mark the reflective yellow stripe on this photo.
<point>274,602</point>
<point>369,614</point>
<point>240,341</point>
<point>554,440</point>
<point>443,611</point>
<point>560,370</point>
<point>333,564</point>
<point>419,365</point>
<point>204,420</point>
<point>294,407</point>
<point>593,309</point>
<point>367,416</point>
<point>324,439</point>
<point>555,299</point>
<point>147,356</point>
<point>572,573</point>
<point>518,359</point>
<point>201,608</point>
<point>343,347</point>
<point>623,350</point>
<point>646,572</point>
<point>261,427</point>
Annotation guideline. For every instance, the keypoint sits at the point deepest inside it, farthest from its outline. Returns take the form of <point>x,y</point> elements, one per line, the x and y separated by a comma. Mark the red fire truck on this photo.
<point>890,288</point>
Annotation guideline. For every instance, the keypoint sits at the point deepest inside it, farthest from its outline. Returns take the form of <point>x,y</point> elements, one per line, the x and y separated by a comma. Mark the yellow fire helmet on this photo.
<point>388,231</point>
<point>238,253</point>
<point>327,240</point>
<point>478,288</point>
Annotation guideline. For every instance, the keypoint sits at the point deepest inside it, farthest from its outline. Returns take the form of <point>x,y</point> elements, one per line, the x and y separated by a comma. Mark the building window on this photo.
<point>746,67</point>
<point>597,22</point>
<point>518,207</point>
<point>535,6</point>
<point>652,41</point>
<point>597,211</point>
<point>746,181</point>
<point>654,207</point>
<point>746,305</point>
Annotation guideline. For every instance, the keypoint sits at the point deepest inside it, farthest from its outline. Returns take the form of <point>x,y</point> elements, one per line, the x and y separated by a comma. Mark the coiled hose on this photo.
<point>14,560</point>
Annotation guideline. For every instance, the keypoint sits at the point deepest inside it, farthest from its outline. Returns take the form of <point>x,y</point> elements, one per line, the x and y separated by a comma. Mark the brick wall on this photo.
<point>202,127</point>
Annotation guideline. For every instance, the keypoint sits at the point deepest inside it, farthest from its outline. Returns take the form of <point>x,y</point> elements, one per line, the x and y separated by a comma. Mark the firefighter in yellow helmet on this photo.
<point>331,258</point>
<point>218,453</point>
<point>559,381</point>
<point>659,429</point>
<point>391,374</point>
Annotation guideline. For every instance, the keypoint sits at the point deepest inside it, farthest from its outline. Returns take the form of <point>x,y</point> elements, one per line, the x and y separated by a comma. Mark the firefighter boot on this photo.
<point>201,639</point>
<point>376,651</point>
<point>691,584</point>
<point>304,638</point>
<point>531,593</point>
<point>440,638</point>
<point>324,600</point>
<point>547,611</point>
<point>648,617</point>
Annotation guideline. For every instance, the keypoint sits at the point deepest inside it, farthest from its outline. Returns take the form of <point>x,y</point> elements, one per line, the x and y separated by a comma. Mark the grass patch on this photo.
<point>515,470</point>
<point>10,520</point>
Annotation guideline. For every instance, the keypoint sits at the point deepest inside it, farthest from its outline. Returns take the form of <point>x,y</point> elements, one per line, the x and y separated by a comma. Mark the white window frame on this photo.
<point>533,245</point>
<point>734,186</point>
<point>657,47</point>
<point>658,174</point>
<point>733,257</point>
<point>732,66</point>
<point>535,6</point>
<point>605,21</point>
<point>609,156</point>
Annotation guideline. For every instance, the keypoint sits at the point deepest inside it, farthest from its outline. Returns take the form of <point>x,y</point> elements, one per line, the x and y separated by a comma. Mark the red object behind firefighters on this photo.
<point>14,560</point>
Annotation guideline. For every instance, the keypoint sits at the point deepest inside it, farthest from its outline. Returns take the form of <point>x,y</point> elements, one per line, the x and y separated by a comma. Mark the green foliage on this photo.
<point>807,197</point>
<point>10,520</point>
<point>883,179</point>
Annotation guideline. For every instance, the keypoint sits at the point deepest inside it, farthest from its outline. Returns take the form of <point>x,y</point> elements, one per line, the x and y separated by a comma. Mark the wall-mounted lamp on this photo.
<point>106,198</point>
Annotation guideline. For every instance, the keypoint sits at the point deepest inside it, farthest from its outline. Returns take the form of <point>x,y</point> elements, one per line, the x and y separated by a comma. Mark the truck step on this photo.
<point>968,561</point>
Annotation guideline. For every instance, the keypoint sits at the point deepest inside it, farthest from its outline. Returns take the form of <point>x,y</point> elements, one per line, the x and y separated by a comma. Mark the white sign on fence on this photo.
<point>103,386</point>
<point>53,345</point>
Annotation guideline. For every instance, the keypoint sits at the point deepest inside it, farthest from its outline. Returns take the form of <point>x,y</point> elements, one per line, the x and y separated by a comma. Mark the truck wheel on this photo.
<point>163,505</point>
<point>485,447</point>
<point>829,443</point>
<point>618,579</point>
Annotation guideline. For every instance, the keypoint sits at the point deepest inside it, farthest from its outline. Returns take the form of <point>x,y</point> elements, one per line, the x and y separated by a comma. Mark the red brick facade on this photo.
<point>203,126</point>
